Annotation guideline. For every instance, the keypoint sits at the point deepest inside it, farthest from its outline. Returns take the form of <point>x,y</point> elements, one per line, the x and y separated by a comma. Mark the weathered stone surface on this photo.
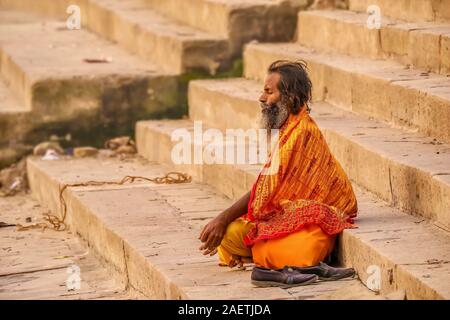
<point>212,102</point>
<point>14,122</point>
<point>57,92</point>
<point>208,35</point>
<point>66,76</point>
<point>35,262</point>
<point>154,142</point>
<point>53,9</point>
<point>346,32</point>
<point>239,21</point>
<point>445,55</point>
<point>340,31</point>
<point>176,47</point>
<point>409,10</point>
<point>382,89</point>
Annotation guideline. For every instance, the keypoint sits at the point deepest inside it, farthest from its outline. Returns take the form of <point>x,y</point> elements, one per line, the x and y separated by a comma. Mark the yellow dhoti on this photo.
<point>303,248</point>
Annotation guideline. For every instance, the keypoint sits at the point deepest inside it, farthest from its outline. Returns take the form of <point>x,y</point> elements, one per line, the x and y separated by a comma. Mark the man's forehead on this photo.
<point>271,80</point>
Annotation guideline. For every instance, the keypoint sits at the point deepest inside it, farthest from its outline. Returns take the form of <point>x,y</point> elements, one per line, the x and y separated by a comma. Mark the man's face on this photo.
<point>271,94</point>
<point>273,112</point>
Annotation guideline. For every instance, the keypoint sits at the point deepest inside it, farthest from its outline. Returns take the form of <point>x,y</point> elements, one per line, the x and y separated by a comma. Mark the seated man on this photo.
<point>295,210</point>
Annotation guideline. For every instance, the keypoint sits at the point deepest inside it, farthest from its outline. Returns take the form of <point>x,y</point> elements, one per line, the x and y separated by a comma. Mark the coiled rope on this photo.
<point>58,224</point>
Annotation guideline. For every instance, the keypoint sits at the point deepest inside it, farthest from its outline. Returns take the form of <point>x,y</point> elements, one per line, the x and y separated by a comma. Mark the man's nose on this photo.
<point>262,98</point>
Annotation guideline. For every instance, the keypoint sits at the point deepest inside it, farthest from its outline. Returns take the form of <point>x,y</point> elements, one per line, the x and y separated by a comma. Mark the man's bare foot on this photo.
<point>239,261</point>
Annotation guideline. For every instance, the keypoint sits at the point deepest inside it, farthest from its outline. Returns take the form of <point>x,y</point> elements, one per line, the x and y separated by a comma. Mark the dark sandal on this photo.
<point>283,278</point>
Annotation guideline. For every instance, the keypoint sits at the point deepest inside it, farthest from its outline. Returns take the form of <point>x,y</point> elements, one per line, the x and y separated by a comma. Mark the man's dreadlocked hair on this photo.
<point>295,85</point>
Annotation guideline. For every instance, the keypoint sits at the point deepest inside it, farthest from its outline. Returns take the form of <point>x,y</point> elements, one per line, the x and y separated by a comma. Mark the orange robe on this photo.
<point>300,201</point>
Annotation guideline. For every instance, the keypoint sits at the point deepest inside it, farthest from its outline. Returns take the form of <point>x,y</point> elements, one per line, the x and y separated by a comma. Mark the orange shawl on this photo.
<point>302,184</point>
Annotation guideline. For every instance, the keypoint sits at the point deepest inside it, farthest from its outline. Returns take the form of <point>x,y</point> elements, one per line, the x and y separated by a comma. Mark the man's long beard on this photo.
<point>274,116</point>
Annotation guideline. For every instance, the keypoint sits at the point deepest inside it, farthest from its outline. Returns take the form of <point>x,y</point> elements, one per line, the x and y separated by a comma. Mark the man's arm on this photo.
<point>213,233</point>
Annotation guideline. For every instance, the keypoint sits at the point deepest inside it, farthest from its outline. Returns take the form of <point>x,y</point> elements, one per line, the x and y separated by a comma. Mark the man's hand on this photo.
<point>212,235</point>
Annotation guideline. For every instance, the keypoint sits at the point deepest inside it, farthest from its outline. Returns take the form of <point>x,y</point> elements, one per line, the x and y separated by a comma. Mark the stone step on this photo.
<point>176,47</point>
<point>386,90</point>
<point>13,125</point>
<point>9,106</point>
<point>155,254</point>
<point>36,263</point>
<point>382,244</point>
<point>50,8</point>
<point>424,45</point>
<point>226,25</point>
<point>173,46</point>
<point>8,16</point>
<point>237,20</point>
<point>405,169</point>
<point>409,10</point>
<point>44,66</point>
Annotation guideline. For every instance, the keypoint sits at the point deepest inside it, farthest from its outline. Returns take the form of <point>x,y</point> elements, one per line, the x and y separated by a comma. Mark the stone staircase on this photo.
<point>152,50</point>
<point>382,106</point>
